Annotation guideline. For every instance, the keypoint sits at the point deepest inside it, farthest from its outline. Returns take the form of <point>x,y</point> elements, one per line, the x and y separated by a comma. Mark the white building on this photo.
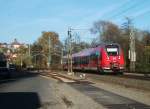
<point>15,44</point>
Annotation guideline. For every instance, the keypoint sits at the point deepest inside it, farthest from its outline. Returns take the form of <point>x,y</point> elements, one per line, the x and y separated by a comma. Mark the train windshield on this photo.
<point>112,50</point>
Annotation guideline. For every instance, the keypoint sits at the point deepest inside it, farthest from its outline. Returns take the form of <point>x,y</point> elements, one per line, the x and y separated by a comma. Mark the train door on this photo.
<point>97,55</point>
<point>99,61</point>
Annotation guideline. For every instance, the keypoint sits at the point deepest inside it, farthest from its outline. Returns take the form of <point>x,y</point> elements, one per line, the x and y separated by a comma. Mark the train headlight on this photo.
<point>107,58</point>
<point>106,68</point>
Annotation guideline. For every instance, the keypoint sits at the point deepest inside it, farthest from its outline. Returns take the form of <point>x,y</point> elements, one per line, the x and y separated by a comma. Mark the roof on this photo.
<point>15,42</point>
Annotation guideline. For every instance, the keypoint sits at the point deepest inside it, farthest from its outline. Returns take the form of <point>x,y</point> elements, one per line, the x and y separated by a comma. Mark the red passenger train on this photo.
<point>103,58</point>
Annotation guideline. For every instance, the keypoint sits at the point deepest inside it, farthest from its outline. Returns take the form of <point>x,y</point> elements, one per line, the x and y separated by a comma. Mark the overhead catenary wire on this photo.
<point>147,12</point>
<point>135,5</point>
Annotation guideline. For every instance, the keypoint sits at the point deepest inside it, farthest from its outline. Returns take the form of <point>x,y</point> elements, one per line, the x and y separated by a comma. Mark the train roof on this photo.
<point>89,51</point>
<point>84,52</point>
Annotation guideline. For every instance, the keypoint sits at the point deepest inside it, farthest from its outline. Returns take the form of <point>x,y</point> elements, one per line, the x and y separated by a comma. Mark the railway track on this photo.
<point>63,78</point>
<point>137,76</point>
<point>108,99</point>
<point>127,80</point>
<point>57,76</point>
<point>133,81</point>
<point>125,75</point>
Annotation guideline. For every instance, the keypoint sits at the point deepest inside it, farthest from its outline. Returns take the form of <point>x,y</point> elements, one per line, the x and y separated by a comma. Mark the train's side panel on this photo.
<point>122,61</point>
<point>104,59</point>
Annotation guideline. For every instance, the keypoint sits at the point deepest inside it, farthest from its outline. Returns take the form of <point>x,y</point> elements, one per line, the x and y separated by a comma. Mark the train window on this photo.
<point>74,61</point>
<point>93,56</point>
<point>87,59</point>
<point>112,51</point>
<point>81,60</point>
<point>78,60</point>
<point>84,60</point>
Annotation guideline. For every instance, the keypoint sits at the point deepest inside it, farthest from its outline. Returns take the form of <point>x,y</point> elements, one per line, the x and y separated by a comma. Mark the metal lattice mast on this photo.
<point>132,53</point>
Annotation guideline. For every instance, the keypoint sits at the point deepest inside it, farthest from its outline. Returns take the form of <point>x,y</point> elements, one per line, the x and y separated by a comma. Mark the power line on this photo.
<point>85,29</point>
<point>127,9</point>
<point>124,4</point>
<point>142,14</point>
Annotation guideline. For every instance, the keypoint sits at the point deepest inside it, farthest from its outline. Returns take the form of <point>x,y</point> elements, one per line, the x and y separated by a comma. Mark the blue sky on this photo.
<point>26,19</point>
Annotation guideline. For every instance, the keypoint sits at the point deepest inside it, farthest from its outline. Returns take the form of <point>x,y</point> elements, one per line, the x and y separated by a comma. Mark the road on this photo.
<point>26,92</point>
<point>33,91</point>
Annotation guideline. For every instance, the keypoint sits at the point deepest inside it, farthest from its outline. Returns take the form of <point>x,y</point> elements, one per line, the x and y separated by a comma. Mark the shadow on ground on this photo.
<point>15,76</point>
<point>19,100</point>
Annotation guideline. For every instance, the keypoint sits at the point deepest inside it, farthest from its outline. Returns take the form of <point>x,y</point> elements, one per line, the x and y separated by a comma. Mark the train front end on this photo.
<point>113,58</point>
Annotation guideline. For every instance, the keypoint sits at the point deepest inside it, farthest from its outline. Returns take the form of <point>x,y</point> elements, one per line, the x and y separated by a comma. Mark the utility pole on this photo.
<point>132,53</point>
<point>70,51</point>
<point>69,55</point>
<point>49,52</point>
<point>67,47</point>
<point>62,54</point>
